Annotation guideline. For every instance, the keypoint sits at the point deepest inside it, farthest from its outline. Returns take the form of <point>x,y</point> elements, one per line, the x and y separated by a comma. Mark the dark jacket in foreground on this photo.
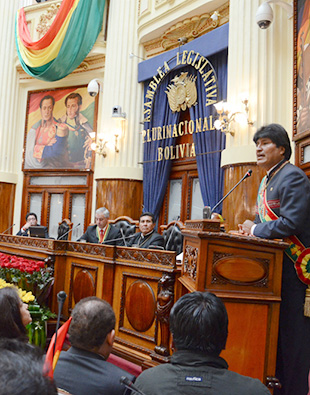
<point>194,373</point>
<point>154,239</point>
<point>82,372</point>
<point>113,233</point>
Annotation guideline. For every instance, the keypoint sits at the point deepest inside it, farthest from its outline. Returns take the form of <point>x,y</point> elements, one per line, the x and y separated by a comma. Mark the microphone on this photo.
<point>247,174</point>
<point>8,228</point>
<point>70,230</point>
<point>130,385</point>
<point>61,297</point>
<point>124,240</point>
<point>174,226</point>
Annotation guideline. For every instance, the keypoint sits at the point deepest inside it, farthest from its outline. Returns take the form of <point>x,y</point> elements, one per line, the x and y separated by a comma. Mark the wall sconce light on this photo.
<point>227,116</point>
<point>100,145</point>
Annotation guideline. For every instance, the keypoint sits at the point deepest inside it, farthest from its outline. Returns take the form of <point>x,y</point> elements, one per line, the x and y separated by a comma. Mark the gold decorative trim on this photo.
<point>47,18</point>
<point>188,28</point>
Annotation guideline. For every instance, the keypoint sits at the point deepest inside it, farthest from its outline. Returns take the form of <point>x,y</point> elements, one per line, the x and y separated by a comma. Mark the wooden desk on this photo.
<point>138,283</point>
<point>245,272</point>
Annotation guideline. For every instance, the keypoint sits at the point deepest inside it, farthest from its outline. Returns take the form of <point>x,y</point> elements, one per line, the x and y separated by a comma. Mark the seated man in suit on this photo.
<point>147,237</point>
<point>84,369</point>
<point>31,220</point>
<point>199,327</point>
<point>102,232</point>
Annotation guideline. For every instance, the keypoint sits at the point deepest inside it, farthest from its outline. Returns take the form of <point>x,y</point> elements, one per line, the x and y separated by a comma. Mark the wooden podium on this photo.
<point>245,272</point>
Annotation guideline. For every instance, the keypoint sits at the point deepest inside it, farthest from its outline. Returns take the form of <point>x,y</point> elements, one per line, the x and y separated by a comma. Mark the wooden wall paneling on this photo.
<point>120,197</point>
<point>83,282</point>
<point>67,190</point>
<point>7,193</point>
<point>143,295</point>
<point>132,307</point>
<point>240,204</point>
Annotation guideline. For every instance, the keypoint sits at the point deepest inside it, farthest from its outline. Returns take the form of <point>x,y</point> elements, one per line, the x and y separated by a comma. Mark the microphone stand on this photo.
<point>124,240</point>
<point>248,174</point>
<point>61,297</point>
<point>169,238</point>
<point>70,230</point>
<point>10,227</point>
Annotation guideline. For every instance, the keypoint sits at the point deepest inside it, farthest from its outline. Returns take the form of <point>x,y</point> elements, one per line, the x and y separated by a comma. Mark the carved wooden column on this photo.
<point>165,300</point>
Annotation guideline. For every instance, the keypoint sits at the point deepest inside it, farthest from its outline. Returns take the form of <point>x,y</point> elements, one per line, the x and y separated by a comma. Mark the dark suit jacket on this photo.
<point>91,235</point>
<point>154,239</point>
<point>288,195</point>
<point>26,234</point>
<point>82,372</point>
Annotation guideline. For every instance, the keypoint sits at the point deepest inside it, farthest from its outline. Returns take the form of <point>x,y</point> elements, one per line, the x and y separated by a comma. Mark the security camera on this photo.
<point>93,88</point>
<point>264,16</point>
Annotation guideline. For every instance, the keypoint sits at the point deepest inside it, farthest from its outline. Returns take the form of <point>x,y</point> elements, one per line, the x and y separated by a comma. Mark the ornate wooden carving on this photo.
<point>165,300</point>
<point>190,261</point>
<point>211,225</point>
<point>144,255</point>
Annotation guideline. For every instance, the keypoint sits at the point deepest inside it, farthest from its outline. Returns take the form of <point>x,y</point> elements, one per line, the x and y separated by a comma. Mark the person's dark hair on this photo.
<point>74,96</point>
<point>47,97</point>
<point>21,370</point>
<point>147,213</point>
<point>199,323</point>
<point>278,135</point>
<point>11,325</point>
<point>34,214</point>
<point>92,320</point>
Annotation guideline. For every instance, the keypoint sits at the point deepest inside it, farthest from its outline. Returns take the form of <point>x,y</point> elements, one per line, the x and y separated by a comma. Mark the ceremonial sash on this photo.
<point>105,233</point>
<point>296,251</point>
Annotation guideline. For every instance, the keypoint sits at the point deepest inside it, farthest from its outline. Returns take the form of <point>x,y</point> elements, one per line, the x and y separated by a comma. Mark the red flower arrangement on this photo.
<point>28,275</point>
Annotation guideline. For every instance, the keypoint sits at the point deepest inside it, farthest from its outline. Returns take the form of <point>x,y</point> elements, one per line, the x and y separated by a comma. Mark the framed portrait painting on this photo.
<point>58,129</point>
<point>302,59</point>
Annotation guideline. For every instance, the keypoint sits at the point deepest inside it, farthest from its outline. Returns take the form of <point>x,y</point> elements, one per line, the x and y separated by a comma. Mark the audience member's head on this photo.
<point>92,326</point>
<point>278,135</point>
<point>101,217</point>
<point>21,370</point>
<point>14,315</point>
<point>199,323</point>
<point>146,223</point>
<point>32,219</point>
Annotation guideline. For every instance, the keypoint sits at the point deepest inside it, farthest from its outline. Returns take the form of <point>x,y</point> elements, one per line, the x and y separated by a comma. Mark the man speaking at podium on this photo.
<point>283,211</point>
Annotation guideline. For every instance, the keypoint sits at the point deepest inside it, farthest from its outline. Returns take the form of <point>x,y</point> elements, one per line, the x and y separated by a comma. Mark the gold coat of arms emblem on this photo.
<point>182,92</point>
